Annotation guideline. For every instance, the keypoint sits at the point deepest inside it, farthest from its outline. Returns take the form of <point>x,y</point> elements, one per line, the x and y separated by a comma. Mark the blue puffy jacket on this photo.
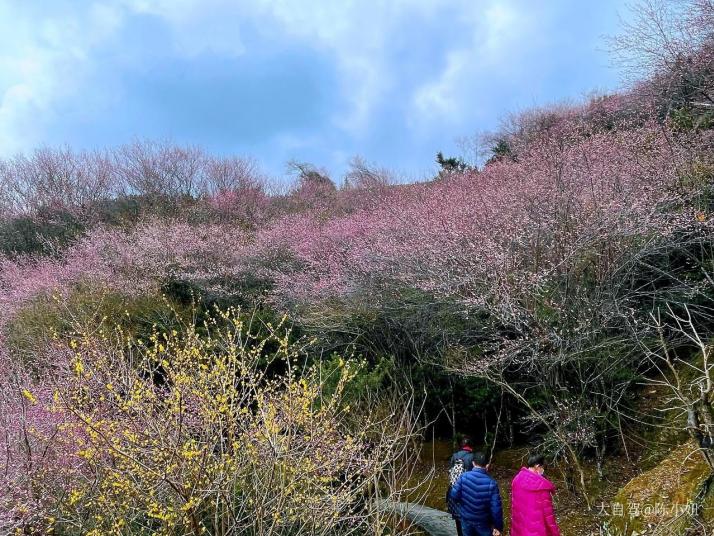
<point>478,499</point>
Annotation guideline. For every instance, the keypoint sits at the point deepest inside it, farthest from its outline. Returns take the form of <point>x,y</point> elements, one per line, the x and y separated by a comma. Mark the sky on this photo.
<point>392,81</point>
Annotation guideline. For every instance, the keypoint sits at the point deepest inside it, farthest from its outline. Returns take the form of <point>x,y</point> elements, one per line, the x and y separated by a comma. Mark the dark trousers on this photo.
<point>467,529</point>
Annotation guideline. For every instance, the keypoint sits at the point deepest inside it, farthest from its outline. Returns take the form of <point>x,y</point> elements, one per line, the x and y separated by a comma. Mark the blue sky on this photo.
<point>319,81</point>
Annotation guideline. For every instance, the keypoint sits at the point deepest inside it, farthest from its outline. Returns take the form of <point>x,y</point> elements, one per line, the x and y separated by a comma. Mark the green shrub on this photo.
<point>32,329</point>
<point>43,233</point>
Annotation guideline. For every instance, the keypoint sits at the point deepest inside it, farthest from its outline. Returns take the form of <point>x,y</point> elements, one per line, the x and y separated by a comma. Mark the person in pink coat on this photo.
<point>532,501</point>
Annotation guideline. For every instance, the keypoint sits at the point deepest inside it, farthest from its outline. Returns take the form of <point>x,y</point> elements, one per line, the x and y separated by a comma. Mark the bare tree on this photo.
<point>362,175</point>
<point>689,380</point>
<point>236,188</point>
<point>231,174</point>
<point>154,168</point>
<point>313,187</point>
<point>653,37</point>
<point>8,204</point>
<point>309,176</point>
<point>671,43</point>
<point>56,178</point>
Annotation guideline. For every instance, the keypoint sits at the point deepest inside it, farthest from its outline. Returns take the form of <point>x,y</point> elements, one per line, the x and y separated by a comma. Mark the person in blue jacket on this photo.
<point>478,500</point>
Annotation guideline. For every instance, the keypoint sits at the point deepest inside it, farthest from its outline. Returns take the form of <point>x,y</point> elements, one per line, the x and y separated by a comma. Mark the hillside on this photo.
<point>185,346</point>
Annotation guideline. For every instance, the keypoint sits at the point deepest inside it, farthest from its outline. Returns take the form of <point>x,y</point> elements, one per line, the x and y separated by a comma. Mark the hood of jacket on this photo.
<point>530,481</point>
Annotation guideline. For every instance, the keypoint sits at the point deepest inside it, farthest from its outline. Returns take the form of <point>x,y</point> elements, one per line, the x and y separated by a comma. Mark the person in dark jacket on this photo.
<point>479,502</point>
<point>465,457</point>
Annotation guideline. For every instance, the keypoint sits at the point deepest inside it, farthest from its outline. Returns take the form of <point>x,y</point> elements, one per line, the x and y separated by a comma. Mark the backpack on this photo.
<point>458,468</point>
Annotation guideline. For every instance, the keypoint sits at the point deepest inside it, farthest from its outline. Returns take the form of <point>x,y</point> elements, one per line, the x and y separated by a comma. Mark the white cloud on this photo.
<point>198,26</point>
<point>354,33</point>
<point>44,58</point>
<point>499,30</point>
<point>48,55</point>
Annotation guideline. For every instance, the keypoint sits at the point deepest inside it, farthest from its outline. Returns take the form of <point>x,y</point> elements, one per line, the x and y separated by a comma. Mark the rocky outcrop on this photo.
<point>434,522</point>
<point>674,498</point>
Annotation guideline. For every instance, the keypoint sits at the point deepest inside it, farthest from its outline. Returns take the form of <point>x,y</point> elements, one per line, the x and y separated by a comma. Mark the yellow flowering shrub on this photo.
<point>218,430</point>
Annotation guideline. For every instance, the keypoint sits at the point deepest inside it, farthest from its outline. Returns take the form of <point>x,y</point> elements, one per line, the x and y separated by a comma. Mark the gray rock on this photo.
<point>435,522</point>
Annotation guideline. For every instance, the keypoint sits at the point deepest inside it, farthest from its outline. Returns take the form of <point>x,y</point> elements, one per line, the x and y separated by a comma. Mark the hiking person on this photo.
<point>478,501</point>
<point>461,461</point>
<point>532,501</point>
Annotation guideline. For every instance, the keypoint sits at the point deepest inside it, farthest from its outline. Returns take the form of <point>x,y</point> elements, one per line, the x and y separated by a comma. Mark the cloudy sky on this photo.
<point>393,81</point>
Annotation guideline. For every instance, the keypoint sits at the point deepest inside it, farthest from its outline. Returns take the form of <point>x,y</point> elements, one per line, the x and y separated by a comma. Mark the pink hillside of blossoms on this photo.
<point>134,262</point>
<point>486,237</point>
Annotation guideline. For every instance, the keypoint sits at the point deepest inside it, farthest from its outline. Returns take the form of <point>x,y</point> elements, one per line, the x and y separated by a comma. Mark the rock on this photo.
<point>435,522</point>
<point>664,501</point>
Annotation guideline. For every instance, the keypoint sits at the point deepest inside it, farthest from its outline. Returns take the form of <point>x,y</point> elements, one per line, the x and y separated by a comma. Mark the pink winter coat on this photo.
<point>532,505</point>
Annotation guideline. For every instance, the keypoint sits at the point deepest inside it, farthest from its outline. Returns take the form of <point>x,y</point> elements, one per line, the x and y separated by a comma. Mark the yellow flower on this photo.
<point>27,394</point>
<point>87,454</point>
<point>75,496</point>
